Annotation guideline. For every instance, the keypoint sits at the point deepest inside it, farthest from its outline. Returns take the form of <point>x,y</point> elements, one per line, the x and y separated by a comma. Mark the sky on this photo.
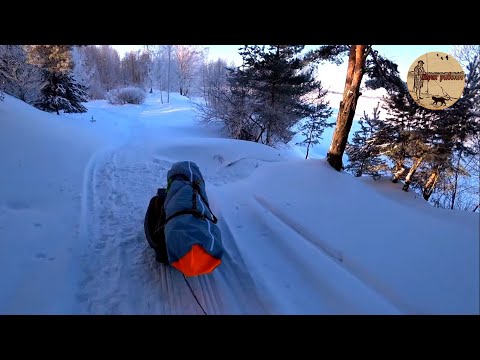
<point>73,196</point>
<point>332,76</point>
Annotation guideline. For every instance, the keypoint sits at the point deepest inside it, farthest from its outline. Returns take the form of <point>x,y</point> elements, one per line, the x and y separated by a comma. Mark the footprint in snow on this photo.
<point>219,158</point>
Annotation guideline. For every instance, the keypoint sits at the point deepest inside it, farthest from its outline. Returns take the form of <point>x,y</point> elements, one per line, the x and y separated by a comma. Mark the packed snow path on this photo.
<point>122,276</point>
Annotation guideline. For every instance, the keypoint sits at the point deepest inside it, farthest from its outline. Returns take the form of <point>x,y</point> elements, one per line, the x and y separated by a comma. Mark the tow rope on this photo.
<point>195,296</point>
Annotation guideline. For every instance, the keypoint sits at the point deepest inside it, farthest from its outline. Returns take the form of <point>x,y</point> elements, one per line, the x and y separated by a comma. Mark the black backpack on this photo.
<point>153,225</point>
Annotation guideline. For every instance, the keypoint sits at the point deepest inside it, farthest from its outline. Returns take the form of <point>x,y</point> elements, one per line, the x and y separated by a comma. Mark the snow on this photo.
<point>300,238</point>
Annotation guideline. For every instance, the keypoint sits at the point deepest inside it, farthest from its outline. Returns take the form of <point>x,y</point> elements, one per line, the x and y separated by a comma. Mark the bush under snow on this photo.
<point>127,95</point>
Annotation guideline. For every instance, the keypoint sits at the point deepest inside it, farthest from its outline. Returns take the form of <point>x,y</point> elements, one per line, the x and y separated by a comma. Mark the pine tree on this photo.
<point>265,96</point>
<point>60,90</point>
<point>363,156</point>
<point>456,134</point>
<point>426,146</point>
<point>405,135</point>
<point>279,80</point>
<point>312,129</point>
<point>362,60</point>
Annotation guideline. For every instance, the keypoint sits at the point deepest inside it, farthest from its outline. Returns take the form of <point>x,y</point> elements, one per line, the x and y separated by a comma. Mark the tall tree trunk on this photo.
<point>408,178</point>
<point>272,104</point>
<point>454,195</point>
<point>168,73</point>
<point>204,81</point>
<point>149,70</point>
<point>430,185</point>
<point>161,86</point>
<point>356,68</point>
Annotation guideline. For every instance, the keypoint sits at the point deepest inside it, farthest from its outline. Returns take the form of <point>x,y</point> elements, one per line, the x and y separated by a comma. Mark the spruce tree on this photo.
<point>62,92</point>
<point>59,91</point>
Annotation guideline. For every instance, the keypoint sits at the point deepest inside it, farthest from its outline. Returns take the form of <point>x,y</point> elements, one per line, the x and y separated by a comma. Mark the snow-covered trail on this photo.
<point>120,274</point>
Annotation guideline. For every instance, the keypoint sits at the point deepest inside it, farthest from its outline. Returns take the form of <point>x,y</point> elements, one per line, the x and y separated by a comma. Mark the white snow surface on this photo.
<point>300,238</point>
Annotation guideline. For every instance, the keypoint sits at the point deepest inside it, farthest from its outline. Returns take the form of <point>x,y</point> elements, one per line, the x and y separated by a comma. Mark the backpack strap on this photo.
<point>193,211</point>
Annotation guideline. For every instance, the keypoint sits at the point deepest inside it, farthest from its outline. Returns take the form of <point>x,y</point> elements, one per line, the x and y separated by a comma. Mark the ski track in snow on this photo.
<point>336,255</point>
<point>121,275</point>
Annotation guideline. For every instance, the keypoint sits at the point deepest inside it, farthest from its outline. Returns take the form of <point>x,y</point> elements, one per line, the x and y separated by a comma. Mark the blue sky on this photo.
<point>402,54</point>
<point>332,76</point>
